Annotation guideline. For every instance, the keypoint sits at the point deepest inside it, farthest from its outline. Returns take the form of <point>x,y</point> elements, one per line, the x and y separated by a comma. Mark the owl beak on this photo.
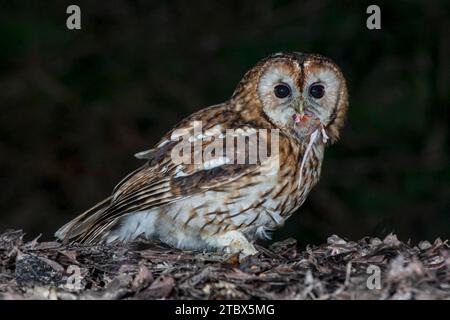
<point>301,108</point>
<point>300,116</point>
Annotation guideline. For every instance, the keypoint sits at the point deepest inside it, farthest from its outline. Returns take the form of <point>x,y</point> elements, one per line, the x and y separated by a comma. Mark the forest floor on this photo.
<point>367,269</point>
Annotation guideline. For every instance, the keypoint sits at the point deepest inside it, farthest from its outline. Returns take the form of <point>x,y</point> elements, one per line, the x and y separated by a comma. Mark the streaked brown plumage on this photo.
<point>219,204</point>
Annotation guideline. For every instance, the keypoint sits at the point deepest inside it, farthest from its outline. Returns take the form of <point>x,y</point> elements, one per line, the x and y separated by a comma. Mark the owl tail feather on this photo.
<point>83,223</point>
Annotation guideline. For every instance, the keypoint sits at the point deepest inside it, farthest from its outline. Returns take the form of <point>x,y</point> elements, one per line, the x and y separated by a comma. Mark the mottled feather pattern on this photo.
<point>219,204</point>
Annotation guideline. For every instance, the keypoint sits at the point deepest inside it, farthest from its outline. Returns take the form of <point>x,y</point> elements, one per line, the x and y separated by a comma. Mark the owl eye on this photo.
<point>317,91</point>
<point>282,90</point>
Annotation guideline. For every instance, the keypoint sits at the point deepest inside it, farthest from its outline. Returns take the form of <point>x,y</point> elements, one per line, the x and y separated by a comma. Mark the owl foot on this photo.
<point>234,242</point>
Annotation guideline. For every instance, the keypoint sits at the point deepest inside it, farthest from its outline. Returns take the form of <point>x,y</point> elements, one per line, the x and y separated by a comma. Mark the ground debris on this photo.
<point>338,269</point>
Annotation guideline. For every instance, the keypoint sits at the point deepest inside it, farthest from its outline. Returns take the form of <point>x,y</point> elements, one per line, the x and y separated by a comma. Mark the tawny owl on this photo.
<point>204,187</point>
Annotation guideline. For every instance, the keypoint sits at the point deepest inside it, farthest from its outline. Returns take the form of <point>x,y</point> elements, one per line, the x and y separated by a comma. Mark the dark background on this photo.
<point>76,105</point>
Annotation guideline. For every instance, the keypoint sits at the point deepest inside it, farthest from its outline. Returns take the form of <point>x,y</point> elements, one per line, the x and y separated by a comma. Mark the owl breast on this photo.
<point>253,205</point>
<point>300,170</point>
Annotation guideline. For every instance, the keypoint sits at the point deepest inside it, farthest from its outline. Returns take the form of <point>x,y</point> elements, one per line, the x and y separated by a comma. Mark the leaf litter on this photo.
<point>338,269</point>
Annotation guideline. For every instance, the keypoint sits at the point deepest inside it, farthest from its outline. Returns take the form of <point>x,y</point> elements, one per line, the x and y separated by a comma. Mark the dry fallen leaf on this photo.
<point>160,288</point>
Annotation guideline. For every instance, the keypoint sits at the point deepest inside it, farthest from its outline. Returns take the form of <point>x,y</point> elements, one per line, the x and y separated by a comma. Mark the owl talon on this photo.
<point>243,253</point>
<point>234,242</point>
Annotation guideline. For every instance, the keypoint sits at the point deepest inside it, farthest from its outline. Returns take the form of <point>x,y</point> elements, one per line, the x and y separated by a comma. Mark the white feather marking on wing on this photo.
<point>163,169</point>
<point>179,172</point>
<point>196,138</point>
<point>179,133</point>
<point>214,131</point>
<point>215,162</point>
<point>143,154</point>
<point>163,143</point>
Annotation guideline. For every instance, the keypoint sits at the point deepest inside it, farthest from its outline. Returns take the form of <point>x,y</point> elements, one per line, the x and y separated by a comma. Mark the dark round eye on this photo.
<point>317,91</point>
<point>282,90</point>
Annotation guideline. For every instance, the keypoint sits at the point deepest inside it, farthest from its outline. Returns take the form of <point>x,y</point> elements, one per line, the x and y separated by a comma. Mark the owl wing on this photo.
<point>162,181</point>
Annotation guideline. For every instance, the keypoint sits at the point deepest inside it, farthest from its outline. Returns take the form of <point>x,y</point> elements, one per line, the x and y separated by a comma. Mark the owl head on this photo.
<point>298,93</point>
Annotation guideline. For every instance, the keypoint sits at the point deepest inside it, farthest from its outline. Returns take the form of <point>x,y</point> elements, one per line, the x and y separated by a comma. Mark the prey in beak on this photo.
<point>306,120</point>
